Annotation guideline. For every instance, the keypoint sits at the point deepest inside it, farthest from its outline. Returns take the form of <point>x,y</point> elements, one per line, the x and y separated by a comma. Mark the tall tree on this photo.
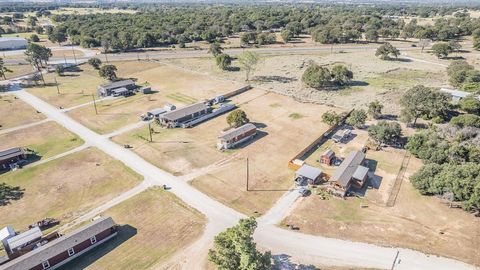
<point>249,60</point>
<point>223,61</point>
<point>95,62</point>
<point>3,69</point>
<point>234,249</point>
<point>108,72</point>
<point>375,109</point>
<point>442,49</point>
<point>385,132</point>
<point>423,101</point>
<point>357,118</point>
<point>215,49</point>
<point>37,56</point>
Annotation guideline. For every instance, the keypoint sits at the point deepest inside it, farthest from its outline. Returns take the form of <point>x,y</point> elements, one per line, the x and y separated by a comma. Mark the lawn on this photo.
<point>16,112</point>
<point>18,70</point>
<point>222,175</point>
<point>153,225</point>
<point>47,139</point>
<point>65,188</point>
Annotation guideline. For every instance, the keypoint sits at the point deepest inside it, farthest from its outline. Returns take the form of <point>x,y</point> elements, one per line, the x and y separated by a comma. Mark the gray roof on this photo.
<point>12,152</point>
<point>120,90</point>
<point>345,171</point>
<point>328,153</point>
<point>157,111</point>
<point>232,133</point>
<point>117,84</point>
<point>182,112</point>
<point>12,38</point>
<point>24,237</point>
<point>309,172</point>
<point>57,246</point>
<point>360,172</point>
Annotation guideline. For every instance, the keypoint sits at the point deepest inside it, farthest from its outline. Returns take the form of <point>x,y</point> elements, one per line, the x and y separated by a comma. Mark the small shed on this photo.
<point>311,174</point>
<point>20,240</point>
<point>341,135</point>
<point>327,157</point>
<point>360,175</point>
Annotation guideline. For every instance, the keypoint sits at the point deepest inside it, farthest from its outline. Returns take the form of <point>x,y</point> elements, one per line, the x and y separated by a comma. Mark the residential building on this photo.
<point>236,136</point>
<point>457,95</point>
<point>61,250</point>
<point>11,155</point>
<point>327,157</point>
<point>177,117</point>
<point>350,173</point>
<point>107,89</point>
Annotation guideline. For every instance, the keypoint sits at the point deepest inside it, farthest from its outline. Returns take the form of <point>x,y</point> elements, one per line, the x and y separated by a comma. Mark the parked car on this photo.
<point>304,192</point>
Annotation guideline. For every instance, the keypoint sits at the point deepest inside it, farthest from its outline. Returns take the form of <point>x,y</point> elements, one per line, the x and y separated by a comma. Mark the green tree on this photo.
<point>470,104</point>
<point>237,118</point>
<point>58,35</point>
<point>331,118</point>
<point>341,75</point>
<point>224,61</point>
<point>386,50</point>
<point>316,76</point>
<point>287,35</point>
<point>234,249</point>
<point>248,61</point>
<point>37,56</point>
<point>423,101</point>
<point>385,132</point>
<point>3,69</point>
<point>371,35</point>
<point>95,62</point>
<point>34,38</point>
<point>59,70</point>
<point>108,72</point>
<point>357,118</point>
<point>441,49</point>
<point>215,49</point>
<point>375,109</point>
<point>466,120</point>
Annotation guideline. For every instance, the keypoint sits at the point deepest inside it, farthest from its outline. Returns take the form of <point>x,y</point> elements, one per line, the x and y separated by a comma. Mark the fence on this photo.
<point>398,180</point>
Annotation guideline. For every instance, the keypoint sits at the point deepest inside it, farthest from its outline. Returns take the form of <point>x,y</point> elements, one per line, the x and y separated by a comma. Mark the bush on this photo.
<point>34,38</point>
<point>466,120</point>
<point>331,118</point>
<point>357,118</point>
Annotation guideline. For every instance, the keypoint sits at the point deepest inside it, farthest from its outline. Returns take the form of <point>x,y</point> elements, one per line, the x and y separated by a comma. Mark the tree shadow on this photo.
<point>453,58</point>
<point>390,117</point>
<point>125,232</point>
<point>232,69</point>
<point>357,83</point>
<point>281,79</point>
<point>283,262</point>
<point>10,193</point>
<point>405,60</point>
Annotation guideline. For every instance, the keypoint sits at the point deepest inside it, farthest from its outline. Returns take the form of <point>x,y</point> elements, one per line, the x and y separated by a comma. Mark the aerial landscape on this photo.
<point>249,135</point>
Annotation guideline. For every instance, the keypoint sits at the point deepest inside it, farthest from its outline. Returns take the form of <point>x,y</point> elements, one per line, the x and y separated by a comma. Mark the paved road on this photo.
<point>305,248</point>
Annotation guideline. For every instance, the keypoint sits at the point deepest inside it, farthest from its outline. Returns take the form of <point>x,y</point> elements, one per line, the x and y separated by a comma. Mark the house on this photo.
<point>12,43</point>
<point>177,117</point>
<point>107,89</point>
<point>457,95</point>
<point>350,172</point>
<point>10,156</point>
<point>236,136</point>
<point>341,135</point>
<point>61,250</point>
<point>327,157</point>
<point>307,173</point>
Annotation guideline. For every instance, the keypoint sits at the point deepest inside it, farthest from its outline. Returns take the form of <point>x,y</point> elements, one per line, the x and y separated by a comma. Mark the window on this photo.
<point>71,252</point>
<point>45,265</point>
<point>93,239</point>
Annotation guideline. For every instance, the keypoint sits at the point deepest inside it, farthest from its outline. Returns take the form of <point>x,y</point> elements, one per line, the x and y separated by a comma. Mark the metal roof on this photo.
<point>59,245</point>
<point>12,152</point>
<point>6,232</point>
<point>455,93</point>
<point>182,112</point>
<point>120,90</point>
<point>233,133</point>
<point>23,238</point>
<point>157,111</point>
<point>309,172</point>
<point>12,38</point>
<point>345,171</point>
<point>117,84</point>
<point>360,172</point>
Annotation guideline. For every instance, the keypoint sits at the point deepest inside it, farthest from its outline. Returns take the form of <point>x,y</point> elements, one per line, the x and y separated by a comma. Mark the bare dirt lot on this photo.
<point>171,85</point>
<point>153,226</point>
<point>417,222</point>
<point>16,112</point>
<point>63,190</point>
<point>222,175</point>
<point>47,139</point>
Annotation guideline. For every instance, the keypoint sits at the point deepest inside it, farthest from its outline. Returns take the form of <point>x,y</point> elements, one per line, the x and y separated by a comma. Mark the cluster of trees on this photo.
<point>424,102</point>
<point>443,49</point>
<point>317,76</point>
<point>464,76</point>
<point>262,38</point>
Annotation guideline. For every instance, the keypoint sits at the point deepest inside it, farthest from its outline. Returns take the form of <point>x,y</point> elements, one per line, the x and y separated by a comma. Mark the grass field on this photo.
<point>417,222</point>
<point>63,189</point>
<point>171,85</point>
<point>47,139</point>
<point>16,112</point>
<point>18,70</point>
<point>153,225</point>
<point>222,175</point>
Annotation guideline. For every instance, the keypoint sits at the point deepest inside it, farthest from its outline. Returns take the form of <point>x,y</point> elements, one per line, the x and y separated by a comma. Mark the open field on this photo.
<point>373,78</point>
<point>18,70</point>
<point>61,189</point>
<point>25,35</point>
<point>16,112</point>
<point>153,225</point>
<point>172,85</point>
<point>47,139</point>
<point>417,222</point>
<point>222,175</point>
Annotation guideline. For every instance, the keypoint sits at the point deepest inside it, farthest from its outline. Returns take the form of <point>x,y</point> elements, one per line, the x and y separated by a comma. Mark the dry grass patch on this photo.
<point>417,222</point>
<point>65,188</point>
<point>47,139</point>
<point>18,70</point>
<point>153,225</point>
<point>16,112</point>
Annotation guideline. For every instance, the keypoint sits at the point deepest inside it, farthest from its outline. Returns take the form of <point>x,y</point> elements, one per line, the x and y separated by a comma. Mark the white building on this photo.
<point>457,95</point>
<point>12,43</point>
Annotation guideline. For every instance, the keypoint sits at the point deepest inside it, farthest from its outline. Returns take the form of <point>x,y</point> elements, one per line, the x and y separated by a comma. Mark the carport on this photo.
<point>308,173</point>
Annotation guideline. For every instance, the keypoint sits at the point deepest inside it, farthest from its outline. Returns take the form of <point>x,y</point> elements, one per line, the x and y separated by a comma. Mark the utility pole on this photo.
<point>56,84</point>
<point>65,59</point>
<point>248,173</point>
<point>106,59</point>
<point>74,56</point>
<point>94,104</point>
<point>150,131</point>
<point>138,57</point>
